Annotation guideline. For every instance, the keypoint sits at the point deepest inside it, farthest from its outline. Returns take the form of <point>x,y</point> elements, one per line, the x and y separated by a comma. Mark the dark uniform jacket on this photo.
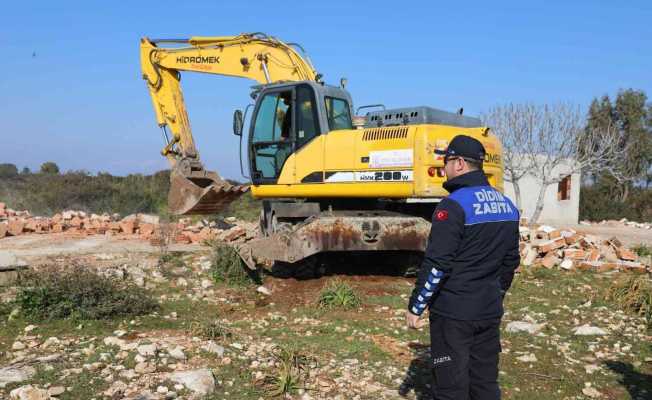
<point>472,252</point>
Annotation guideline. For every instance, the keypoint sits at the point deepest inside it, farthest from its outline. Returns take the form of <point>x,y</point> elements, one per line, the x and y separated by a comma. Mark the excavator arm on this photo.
<point>256,56</point>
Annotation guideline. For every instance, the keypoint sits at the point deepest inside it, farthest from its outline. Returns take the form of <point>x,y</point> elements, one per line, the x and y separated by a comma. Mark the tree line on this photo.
<point>611,146</point>
<point>49,191</point>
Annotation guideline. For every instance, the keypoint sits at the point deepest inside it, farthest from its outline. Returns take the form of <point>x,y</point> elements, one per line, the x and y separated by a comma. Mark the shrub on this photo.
<point>228,267</point>
<point>338,294</point>
<point>290,374</point>
<point>642,250</point>
<point>209,330</point>
<point>633,294</point>
<point>78,293</point>
<point>49,168</point>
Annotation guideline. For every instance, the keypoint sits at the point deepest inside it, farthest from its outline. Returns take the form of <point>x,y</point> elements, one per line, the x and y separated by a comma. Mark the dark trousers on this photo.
<point>465,358</point>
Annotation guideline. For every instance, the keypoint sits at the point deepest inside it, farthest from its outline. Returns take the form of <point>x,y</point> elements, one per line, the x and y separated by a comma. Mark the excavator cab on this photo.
<point>287,117</point>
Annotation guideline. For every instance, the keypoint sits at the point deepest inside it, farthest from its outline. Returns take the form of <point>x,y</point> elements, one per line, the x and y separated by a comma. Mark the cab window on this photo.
<point>271,138</point>
<point>307,127</point>
<point>338,114</point>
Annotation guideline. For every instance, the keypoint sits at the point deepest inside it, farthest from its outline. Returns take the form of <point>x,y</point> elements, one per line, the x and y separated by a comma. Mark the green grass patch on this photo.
<point>79,293</point>
<point>290,373</point>
<point>210,330</point>
<point>633,294</point>
<point>228,267</point>
<point>339,294</point>
<point>642,250</point>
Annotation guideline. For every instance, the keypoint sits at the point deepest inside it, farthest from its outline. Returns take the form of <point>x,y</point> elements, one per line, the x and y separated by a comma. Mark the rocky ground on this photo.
<point>561,338</point>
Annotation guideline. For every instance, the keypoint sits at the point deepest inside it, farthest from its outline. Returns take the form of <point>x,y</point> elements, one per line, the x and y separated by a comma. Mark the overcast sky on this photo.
<point>71,89</point>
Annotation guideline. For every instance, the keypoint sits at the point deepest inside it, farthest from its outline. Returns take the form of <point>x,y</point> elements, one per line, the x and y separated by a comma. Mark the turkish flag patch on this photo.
<point>441,215</point>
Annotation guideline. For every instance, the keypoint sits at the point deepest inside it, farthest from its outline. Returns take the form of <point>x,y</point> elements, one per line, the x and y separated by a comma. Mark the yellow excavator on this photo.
<point>330,180</point>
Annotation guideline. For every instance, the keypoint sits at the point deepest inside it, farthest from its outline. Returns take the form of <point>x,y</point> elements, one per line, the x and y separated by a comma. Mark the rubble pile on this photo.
<point>142,226</point>
<point>548,247</point>
<point>621,222</point>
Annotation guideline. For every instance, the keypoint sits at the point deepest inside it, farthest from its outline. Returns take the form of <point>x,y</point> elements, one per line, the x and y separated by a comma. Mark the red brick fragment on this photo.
<point>234,233</point>
<point>597,266</point>
<point>626,254</point>
<point>128,227</point>
<point>572,239</point>
<point>182,238</point>
<point>550,245</point>
<point>549,261</point>
<point>16,227</point>
<point>575,254</point>
<point>594,255</point>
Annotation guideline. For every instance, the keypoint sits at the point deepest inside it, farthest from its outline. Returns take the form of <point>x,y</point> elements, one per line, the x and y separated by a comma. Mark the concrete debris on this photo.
<point>29,392</point>
<point>567,249</point>
<point>621,222</point>
<point>528,358</point>
<point>522,326</point>
<point>587,330</point>
<point>142,226</point>
<point>12,374</point>
<point>200,381</point>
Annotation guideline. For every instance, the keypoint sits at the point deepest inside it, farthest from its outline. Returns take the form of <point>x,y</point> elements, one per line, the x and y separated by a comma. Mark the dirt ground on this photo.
<point>362,353</point>
<point>35,248</point>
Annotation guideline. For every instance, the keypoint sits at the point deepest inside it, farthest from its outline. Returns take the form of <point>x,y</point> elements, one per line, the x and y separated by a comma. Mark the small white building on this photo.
<point>561,203</point>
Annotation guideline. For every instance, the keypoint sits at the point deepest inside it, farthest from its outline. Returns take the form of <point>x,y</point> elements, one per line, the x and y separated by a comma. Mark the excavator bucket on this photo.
<point>203,192</point>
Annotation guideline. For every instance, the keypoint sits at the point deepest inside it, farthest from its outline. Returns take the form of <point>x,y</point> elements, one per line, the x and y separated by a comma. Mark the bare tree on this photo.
<point>514,125</point>
<point>561,146</point>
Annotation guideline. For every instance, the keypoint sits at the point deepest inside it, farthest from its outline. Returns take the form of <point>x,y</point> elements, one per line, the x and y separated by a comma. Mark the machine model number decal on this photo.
<point>384,176</point>
<point>370,176</point>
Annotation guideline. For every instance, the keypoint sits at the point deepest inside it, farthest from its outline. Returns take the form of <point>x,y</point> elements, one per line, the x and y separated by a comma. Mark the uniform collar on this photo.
<point>473,178</point>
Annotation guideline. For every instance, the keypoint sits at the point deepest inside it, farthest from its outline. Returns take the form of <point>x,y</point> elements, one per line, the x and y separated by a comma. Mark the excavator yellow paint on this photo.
<point>341,158</point>
<point>342,151</point>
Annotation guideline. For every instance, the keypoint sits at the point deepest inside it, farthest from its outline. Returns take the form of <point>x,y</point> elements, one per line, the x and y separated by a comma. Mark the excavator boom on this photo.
<point>256,56</point>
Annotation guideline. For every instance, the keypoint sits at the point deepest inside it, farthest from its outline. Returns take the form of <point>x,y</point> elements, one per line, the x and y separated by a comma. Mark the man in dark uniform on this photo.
<point>468,266</point>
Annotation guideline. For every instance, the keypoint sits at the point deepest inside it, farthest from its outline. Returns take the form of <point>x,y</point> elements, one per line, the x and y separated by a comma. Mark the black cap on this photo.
<point>465,147</point>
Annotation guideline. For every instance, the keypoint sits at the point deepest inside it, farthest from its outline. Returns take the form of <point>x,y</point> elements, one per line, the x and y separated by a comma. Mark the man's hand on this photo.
<point>414,321</point>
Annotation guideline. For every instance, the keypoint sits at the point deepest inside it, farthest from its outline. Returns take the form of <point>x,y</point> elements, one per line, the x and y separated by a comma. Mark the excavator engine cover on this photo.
<point>201,192</point>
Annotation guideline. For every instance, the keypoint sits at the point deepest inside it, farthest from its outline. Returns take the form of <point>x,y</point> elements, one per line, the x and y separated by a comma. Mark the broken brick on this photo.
<point>597,266</point>
<point>575,254</point>
<point>554,234</point>
<point>594,255</point>
<point>572,239</point>
<point>57,227</point>
<point>3,230</point>
<point>234,233</point>
<point>146,229</point>
<point>76,222</point>
<point>16,227</point>
<point>550,245</point>
<point>549,261</point>
<point>567,264</point>
<point>182,238</point>
<point>128,227</point>
<point>626,254</point>
<point>632,266</point>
